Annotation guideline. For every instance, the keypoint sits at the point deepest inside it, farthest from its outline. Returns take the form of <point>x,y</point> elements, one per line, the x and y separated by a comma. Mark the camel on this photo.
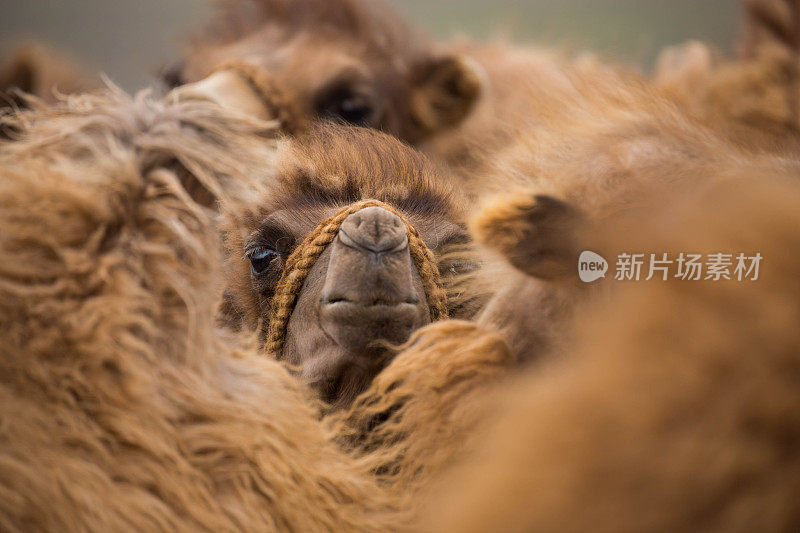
<point>462,103</point>
<point>348,60</point>
<point>674,407</point>
<point>357,242</point>
<point>123,406</point>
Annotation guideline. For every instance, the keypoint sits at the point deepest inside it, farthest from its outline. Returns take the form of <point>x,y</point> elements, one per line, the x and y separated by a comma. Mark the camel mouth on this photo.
<point>369,286</point>
<point>357,324</point>
<point>375,302</point>
<point>369,312</point>
<point>368,290</point>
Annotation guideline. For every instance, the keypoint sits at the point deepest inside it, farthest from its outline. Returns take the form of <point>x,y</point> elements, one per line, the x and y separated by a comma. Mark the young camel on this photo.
<point>353,246</point>
<point>467,104</point>
<point>358,62</point>
<point>354,61</point>
<point>124,407</point>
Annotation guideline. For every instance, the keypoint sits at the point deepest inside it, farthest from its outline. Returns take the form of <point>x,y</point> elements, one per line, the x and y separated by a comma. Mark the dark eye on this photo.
<point>261,258</point>
<point>344,103</point>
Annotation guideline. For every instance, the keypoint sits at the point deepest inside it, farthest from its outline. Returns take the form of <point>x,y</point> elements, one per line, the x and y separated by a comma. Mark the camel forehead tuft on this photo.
<point>336,165</point>
<point>371,22</point>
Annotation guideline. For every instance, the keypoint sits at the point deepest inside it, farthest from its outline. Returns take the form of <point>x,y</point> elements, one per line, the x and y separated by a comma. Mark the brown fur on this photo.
<point>752,97</point>
<point>597,132</point>
<point>767,22</point>
<point>752,101</point>
<point>523,92</point>
<point>559,397</point>
<point>37,70</point>
<point>317,56</point>
<point>597,145</point>
<point>676,409</point>
<point>123,407</point>
<point>319,174</point>
<point>420,413</point>
<point>533,313</point>
<point>323,172</point>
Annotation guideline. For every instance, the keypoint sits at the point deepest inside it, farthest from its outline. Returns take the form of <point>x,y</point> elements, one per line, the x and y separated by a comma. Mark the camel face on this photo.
<point>350,61</point>
<point>364,292</point>
<point>343,257</point>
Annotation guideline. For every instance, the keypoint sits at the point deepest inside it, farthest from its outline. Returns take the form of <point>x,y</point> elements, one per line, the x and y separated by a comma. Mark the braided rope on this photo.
<point>302,260</point>
<point>262,85</point>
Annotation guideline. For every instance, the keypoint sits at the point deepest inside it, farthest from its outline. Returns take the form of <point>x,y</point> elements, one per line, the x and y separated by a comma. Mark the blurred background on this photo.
<point>130,40</point>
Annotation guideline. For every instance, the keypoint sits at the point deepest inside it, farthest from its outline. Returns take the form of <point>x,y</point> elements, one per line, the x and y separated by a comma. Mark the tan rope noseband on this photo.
<point>302,260</point>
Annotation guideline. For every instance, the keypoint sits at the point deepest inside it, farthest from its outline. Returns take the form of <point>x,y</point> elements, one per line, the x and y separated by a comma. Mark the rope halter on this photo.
<point>263,87</point>
<point>302,260</point>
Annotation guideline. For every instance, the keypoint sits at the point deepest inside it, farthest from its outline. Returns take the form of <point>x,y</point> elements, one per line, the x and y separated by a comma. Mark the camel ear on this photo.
<point>20,73</point>
<point>171,76</point>
<point>444,91</point>
<point>537,234</point>
<point>36,69</point>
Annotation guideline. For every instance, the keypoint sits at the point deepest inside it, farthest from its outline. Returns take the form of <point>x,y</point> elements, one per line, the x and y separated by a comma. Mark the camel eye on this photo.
<point>345,104</point>
<point>354,111</point>
<point>261,258</point>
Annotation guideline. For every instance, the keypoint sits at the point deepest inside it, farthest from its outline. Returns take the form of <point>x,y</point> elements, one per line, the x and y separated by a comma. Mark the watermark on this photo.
<point>685,266</point>
<point>591,266</point>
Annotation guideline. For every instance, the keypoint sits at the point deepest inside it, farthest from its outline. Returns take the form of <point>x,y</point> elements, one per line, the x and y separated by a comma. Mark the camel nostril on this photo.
<point>374,229</point>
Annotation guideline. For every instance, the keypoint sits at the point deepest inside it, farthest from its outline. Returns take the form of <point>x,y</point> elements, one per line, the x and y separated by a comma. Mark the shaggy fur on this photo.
<point>753,97</point>
<point>123,407</point>
<point>602,140</point>
<point>319,174</point>
<point>676,410</point>
<point>322,172</point>
<point>351,60</point>
<point>35,69</point>
<point>538,114</point>
<point>420,413</point>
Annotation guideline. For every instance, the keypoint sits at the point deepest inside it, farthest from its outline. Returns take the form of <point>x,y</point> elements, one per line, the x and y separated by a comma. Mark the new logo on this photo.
<point>591,266</point>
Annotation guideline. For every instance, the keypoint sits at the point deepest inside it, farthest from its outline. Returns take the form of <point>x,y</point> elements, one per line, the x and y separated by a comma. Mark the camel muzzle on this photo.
<point>370,286</point>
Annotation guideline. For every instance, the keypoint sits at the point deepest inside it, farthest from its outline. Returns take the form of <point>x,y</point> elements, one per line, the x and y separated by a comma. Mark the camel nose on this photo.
<point>374,229</point>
